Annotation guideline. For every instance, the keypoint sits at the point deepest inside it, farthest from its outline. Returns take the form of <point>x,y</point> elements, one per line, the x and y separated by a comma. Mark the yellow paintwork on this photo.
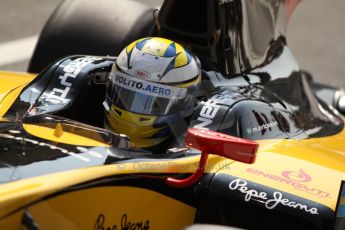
<point>90,207</point>
<point>13,221</point>
<point>321,159</point>
<point>274,157</point>
<point>11,84</point>
<point>17,193</point>
<point>63,137</point>
<point>20,193</point>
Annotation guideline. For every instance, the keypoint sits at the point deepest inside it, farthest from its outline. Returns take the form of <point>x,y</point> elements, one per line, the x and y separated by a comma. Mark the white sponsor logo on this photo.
<point>262,127</point>
<point>71,71</point>
<point>146,87</point>
<point>270,203</point>
<point>210,109</point>
<point>221,2</point>
<point>142,74</point>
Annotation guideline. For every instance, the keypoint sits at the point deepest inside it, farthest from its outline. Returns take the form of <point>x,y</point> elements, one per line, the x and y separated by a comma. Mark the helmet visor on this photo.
<point>144,97</point>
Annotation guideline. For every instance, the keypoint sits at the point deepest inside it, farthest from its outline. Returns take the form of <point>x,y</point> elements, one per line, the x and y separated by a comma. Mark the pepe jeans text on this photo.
<point>125,224</point>
<point>270,202</point>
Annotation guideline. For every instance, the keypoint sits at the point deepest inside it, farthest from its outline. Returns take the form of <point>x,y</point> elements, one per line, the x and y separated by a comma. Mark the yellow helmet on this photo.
<point>149,87</point>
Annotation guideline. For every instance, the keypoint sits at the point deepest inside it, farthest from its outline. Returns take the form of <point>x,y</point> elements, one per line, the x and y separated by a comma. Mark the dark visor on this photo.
<point>143,103</point>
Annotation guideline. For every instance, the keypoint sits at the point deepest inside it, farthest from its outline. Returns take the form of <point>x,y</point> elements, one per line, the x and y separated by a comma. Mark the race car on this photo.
<point>264,148</point>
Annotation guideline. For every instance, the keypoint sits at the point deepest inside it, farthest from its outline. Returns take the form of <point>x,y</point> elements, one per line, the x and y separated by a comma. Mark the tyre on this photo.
<point>102,27</point>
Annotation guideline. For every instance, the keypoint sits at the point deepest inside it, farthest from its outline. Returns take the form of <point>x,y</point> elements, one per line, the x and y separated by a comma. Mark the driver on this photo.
<point>150,91</point>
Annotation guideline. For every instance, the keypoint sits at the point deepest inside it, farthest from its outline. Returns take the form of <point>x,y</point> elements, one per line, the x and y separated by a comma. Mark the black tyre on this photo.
<point>94,27</point>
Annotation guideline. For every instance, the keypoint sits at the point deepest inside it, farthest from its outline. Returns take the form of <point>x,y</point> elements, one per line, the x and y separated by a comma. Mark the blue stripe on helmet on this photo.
<point>141,44</point>
<point>170,51</point>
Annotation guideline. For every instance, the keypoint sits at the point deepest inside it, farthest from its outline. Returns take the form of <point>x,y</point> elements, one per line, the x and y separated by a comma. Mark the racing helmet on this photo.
<point>150,87</point>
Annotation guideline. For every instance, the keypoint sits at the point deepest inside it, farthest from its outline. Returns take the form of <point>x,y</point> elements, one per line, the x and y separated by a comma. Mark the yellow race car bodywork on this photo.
<point>101,196</point>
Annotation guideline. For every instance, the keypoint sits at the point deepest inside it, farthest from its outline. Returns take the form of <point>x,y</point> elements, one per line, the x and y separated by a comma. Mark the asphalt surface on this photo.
<point>316,34</point>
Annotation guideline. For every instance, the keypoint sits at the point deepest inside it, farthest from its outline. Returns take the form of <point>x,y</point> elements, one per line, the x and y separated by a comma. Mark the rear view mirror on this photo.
<point>211,142</point>
<point>220,144</point>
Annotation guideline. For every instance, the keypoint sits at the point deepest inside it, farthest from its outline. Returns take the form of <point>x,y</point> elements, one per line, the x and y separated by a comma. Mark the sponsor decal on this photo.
<point>262,127</point>
<point>299,176</point>
<point>125,224</point>
<point>142,74</point>
<point>221,2</point>
<point>71,71</point>
<point>146,87</point>
<point>294,179</point>
<point>270,202</point>
<point>210,109</point>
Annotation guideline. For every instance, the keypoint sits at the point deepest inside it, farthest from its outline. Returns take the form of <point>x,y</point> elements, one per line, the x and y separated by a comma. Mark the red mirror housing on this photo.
<point>222,145</point>
<point>211,142</point>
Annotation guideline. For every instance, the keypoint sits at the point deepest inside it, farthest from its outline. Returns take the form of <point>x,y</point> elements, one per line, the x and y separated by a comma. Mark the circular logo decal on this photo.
<point>299,176</point>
